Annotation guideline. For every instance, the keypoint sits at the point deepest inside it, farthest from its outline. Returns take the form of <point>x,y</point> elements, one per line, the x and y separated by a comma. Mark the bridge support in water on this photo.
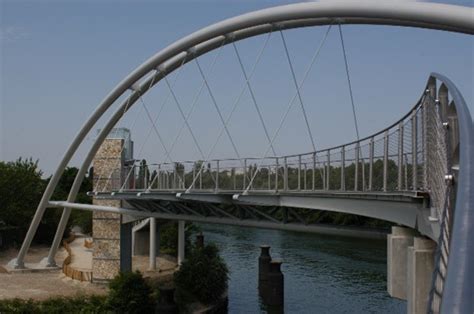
<point>410,264</point>
<point>419,274</point>
<point>397,261</point>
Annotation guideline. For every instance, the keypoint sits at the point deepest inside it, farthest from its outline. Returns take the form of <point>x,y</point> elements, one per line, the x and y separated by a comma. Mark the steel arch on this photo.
<point>422,15</point>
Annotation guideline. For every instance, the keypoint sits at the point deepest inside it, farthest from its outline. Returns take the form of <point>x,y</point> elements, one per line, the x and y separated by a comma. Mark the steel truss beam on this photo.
<point>254,218</point>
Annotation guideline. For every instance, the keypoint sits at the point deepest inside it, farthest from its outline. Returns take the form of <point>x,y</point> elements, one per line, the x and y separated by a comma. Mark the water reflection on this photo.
<point>323,274</point>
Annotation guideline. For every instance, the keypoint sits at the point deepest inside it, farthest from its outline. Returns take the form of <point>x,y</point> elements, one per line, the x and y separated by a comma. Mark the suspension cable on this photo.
<point>290,104</point>
<point>234,106</point>
<point>142,146</point>
<point>252,95</point>
<point>218,112</point>
<point>292,70</point>
<point>155,129</point>
<point>349,82</point>
<point>191,110</point>
<point>180,109</point>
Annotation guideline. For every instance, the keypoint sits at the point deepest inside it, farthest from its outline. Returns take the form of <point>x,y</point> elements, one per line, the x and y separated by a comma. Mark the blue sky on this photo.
<point>60,58</point>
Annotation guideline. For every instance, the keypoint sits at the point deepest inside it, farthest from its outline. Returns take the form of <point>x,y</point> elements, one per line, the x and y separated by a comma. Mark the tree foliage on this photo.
<point>21,189</point>
<point>130,293</point>
<point>203,275</point>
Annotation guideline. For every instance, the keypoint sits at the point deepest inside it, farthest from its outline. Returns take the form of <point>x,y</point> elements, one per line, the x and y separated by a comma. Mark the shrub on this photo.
<point>19,306</point>
<point>202,276</point>
<point>129,293</point>
<point>77,304</point>
<point>169,237</point>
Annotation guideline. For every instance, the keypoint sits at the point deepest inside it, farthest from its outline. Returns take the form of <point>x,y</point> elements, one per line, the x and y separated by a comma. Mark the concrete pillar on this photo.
<point>126,247</point>
<point>420,271</point>
<point>397,247</point>
<point>152,243</point>
<point>181,241</point>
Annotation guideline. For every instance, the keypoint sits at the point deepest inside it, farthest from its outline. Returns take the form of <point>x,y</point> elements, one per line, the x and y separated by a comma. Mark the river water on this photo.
<point>323,274</point>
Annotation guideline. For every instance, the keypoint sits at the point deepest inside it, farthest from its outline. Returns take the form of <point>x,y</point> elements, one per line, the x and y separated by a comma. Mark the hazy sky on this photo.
<point>60,58</point>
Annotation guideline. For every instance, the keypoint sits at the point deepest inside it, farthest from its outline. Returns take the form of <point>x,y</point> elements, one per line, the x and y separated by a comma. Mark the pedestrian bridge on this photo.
<point>418,172</point>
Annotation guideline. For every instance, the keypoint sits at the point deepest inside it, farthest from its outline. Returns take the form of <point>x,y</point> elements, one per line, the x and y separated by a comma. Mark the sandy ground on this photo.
<point>43,285</point>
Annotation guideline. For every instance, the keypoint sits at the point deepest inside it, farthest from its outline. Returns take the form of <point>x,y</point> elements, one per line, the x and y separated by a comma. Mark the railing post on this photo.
<point>145,175</point>
<point>400,156</point>
<point>277,168</point>
<point>194,177</point>
<point>414,150</point>
<point>406,171</point>
<point>299,172</point>
<point>245,175</point>
<point>234,179</point>
<point>175,176</point>
<point>158,183</point>
<point>304,176</point>
<point>363,174</point>
<point>200,177</point>
<point>328,171</point>
<point>285,174</point>
<point>371,162</point>
<point>385,160</point>
<point>324,175</point>
<point>343,168</point>
<point>314,172</point>
<point>427,116</point>
<point>217,175</point>
<point>356,169</point>
<point>269,177</point>
<point>252,172</point>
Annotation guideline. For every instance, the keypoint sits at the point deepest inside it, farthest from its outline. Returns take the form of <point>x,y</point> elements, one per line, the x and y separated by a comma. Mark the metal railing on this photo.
<point>393,159</point>
<point>451,183</point>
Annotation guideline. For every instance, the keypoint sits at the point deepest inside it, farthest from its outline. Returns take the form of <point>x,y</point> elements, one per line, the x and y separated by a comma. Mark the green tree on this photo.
<point>79,218</point>
<point>129,293</point>
<point>203,275</point>
<point>21,188</point>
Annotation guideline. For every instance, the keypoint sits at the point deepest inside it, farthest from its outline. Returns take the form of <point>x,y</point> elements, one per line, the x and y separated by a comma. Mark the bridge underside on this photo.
<point>282,210</point>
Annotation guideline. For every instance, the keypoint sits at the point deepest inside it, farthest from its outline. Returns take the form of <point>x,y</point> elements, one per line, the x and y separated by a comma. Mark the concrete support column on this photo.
<point>181,242</point>
<point>126,247</point>
<point>397,247</point>
<point>420,271</point>
<point>152,243</point>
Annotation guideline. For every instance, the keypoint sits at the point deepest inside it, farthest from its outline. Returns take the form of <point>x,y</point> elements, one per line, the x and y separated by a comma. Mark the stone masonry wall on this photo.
<point>106,226</point>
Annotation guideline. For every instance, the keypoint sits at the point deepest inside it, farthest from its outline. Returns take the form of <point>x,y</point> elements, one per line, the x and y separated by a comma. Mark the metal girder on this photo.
<point>206,197</point>
<point>403,208</point>
<point>254,223</point>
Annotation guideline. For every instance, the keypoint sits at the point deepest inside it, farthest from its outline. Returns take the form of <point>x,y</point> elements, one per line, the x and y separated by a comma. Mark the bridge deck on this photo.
<point>403,207</point>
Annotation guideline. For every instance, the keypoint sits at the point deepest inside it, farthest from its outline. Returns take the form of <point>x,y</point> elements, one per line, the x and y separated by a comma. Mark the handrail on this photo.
<point>458,291</point>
